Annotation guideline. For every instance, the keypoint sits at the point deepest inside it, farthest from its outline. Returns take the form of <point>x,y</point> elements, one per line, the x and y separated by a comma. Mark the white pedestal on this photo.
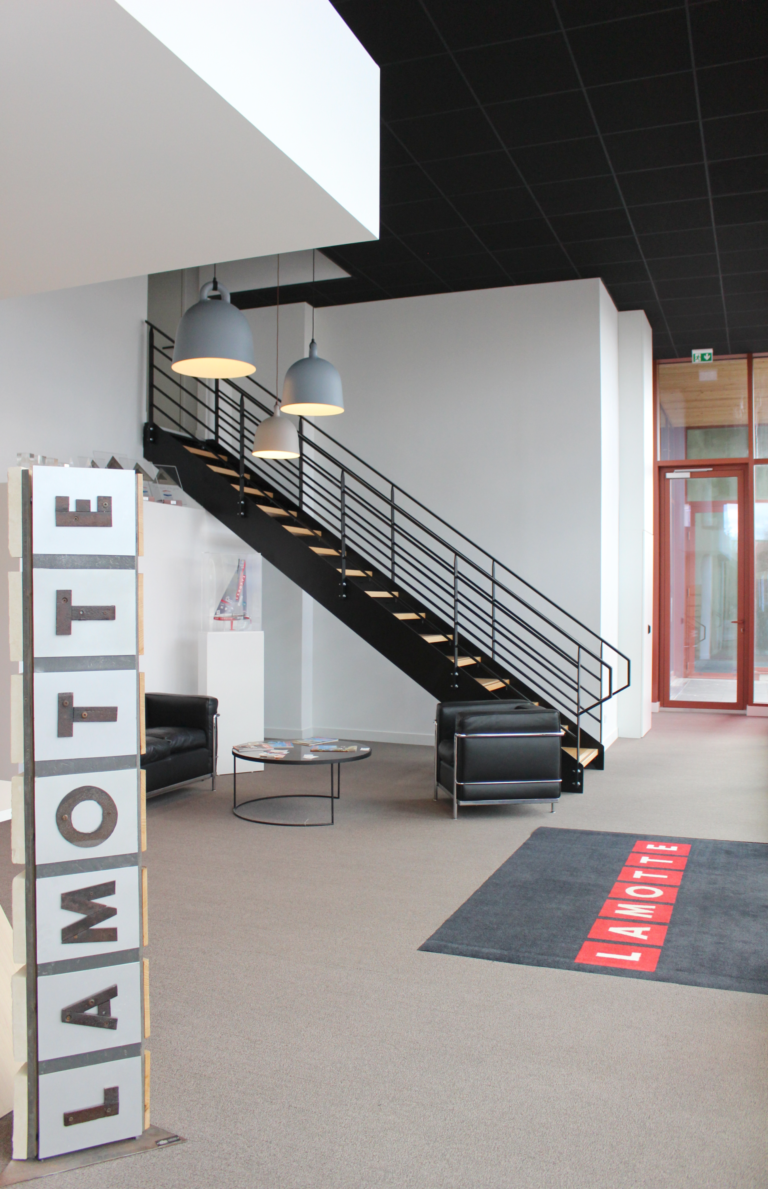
<point>232,670</point>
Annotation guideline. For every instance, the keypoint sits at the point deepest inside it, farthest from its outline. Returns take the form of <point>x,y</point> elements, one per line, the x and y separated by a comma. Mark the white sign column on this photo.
<point>81,1007</point>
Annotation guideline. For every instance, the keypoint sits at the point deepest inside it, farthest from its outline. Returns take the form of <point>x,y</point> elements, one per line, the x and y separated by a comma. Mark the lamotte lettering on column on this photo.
<point>80,1022</point>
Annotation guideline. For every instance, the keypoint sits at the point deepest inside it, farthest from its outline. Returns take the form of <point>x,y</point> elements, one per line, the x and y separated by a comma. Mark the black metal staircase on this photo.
<point>451,616</point>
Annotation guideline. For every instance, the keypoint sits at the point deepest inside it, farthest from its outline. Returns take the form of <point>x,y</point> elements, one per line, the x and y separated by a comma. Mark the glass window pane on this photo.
<point>760,385</point>
<point>704,589</point>
<point>703,410</point>
<point>761,585</point>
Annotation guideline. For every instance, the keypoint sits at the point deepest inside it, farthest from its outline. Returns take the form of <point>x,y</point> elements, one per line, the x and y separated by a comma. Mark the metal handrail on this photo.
<point>397,541</point>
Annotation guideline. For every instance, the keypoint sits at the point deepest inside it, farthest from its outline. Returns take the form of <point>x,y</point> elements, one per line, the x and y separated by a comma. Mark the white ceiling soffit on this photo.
<point>261,272</point>
<point>122,156</point>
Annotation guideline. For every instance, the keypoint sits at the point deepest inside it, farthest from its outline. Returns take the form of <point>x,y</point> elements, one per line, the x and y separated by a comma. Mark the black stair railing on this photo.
<point>493,614</point>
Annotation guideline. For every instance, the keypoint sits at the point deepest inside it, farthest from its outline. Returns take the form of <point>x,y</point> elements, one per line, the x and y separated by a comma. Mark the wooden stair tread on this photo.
<point>275,511</point>
<point>410,615</point>
<point>491,683</point>
<point>223,470</point>
<point>250,490</point>
<point>205,453</point>
<point>434,638</point>
<point>586,755</point>
<point>321,551</point>
<point>297,531</point>
<point>382,594</point>
<point>356,573</point>
<point>462,661</point>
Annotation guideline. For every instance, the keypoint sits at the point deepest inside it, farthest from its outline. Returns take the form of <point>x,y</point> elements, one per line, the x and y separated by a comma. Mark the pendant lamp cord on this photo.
<point>313,294</point>
<point>215,282</point>
<point>277,338</point>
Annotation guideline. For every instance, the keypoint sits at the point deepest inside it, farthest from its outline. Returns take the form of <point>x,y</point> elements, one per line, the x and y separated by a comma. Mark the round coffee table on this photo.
<point>295,756</point>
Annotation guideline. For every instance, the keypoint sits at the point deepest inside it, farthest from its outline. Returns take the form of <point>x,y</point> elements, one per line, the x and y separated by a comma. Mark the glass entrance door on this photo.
<point>702,590</point>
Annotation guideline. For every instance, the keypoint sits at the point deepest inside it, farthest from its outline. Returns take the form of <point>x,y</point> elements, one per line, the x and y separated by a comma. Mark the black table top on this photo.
<point>301,748</point>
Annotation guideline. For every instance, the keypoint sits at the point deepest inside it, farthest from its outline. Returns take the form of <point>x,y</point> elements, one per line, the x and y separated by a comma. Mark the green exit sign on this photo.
<point>706,355</point>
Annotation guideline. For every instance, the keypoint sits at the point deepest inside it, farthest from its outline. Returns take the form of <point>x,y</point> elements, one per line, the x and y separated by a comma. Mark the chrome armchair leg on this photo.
<point>552,807</point>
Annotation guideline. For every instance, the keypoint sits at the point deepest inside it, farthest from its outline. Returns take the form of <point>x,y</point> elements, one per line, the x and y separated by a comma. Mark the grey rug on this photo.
<point>540,907</point>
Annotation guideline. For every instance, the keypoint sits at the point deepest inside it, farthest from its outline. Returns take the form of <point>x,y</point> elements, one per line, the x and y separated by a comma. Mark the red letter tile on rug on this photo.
<point>628,932</point>
<point>605,953</point>
<point>672,848</point>
<point>627,910</point>
<point>636,874</point>
<point>640,891</point>
<point>670,863</point>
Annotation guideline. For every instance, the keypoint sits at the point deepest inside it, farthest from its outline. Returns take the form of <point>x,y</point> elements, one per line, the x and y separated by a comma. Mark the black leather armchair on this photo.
<point>497,753</point>
<point>181,745</point>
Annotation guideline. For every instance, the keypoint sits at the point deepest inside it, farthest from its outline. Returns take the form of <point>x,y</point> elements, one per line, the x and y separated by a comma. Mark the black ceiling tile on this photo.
<point>447,135</point>
<point>746,236</point>
<point>754,260</point>
<point>421,87</point>
<point>684,266</point>
<point>524,233</point>
<point>641,104</point>
<point>758,342</point>
<point>590,12</point>
<point>703,327</point>
<point>392,153</point>
<point>406,183</point>
<point>412,217</point>
<point>463,25</point>
<point>698,304</point>
<point>752,282</point>
<point>738,87</point>
<point>740,208</point>
<point>678,243</point>
<point>542,119</point>
<point>742,176</point>
<point>397,29</point>
<point>726,32</point>
<point>736,136</point>
<point>479,267</point>
<point>387,250</point>
<point>680,289</point>
<point>742,302</point>
<point>630,270</point>
<point>671,216</point>
<point>476,172</point>
<point>437,244</point>
<point>649,148</point>
<point>648,45</point>
<point>631,294</point>
<point>591,253</point>
<point>562,161</point>
<point>592,225</point>
<point>544,276</point>
<point>664,185</point>
<point>497,206</point>
<point>412,272</point>
<point>523,260</point>
<point>566,198</point>
<point>518,69</point>
<point>752,322</point>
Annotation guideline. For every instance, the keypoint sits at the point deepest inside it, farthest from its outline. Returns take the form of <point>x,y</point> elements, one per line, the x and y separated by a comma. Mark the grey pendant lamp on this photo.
<point>312,386</point>
<point>214,340</point>
<point>276,437</point>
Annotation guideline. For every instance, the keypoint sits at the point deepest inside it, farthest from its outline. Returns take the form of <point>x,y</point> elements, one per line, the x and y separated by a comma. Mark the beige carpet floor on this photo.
<point>301,1041</point>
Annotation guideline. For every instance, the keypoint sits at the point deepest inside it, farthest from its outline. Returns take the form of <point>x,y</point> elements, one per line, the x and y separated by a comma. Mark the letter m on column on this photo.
<point>84,901</point>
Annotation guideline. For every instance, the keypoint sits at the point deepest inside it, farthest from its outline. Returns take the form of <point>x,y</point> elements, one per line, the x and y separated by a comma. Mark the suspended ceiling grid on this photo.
<point>547,140</point>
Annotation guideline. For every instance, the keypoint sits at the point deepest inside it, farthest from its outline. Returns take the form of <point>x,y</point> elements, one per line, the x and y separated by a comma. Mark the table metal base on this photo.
<point>333,796</point>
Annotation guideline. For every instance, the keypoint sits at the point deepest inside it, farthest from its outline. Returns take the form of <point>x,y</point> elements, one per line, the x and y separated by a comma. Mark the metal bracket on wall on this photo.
<point>69,714</point>
<point>66,614</point>
<point>83,517</point>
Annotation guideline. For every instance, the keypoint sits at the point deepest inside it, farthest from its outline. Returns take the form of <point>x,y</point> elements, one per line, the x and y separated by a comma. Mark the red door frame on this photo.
<point>714,470</point>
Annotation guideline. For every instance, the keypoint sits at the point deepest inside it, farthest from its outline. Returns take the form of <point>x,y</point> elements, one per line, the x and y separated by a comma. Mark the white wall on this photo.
<point>636,518</point>
<point>500,409</point>
<point>72,371</point>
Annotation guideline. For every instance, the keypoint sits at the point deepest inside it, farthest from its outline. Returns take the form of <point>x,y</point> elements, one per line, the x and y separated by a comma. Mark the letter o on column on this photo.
<point>86,792</point>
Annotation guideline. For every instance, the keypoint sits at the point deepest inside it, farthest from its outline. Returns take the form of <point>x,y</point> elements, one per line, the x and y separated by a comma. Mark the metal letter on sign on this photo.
<point>66,614</point>
<point>69,714</point>
<point>86,792</point>
<point>83,517</point>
